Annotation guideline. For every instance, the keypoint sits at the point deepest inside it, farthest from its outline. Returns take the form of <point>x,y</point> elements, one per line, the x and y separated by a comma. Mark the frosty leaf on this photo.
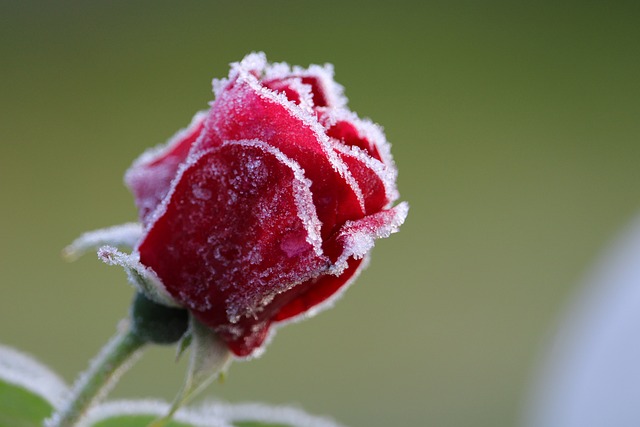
<point>209,359</point>
<point>139,413</point>
<point>260,415</point>
<point>20,407</point>
<point>141,277</point>
<point>126,235</point>
<point>29,391</point>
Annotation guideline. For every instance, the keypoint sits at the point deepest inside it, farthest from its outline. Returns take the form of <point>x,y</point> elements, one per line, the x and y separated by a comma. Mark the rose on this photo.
<point>265,208</point>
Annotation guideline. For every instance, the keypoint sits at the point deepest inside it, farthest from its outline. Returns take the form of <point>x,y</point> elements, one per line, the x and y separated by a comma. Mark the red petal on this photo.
<point>246,110</point>
<point>149,178</point>
<point>320,98</point>
<point>238,229</point>
<point>376,182</point>
<point>293,88</point>
<point>356,238</point>
<point>319,95</point>
<point>308,297</point>
<point>347,133</point>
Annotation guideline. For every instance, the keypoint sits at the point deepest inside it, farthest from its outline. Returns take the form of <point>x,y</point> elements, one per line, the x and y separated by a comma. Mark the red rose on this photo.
<point>264,209</point>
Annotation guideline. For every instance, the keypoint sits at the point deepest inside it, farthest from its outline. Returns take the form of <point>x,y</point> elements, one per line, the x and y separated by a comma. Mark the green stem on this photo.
<point>94,384</point>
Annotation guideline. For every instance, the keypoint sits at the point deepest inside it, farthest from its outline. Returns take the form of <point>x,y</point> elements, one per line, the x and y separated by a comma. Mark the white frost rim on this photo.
<point>214,414</point>
<point>24,371</point>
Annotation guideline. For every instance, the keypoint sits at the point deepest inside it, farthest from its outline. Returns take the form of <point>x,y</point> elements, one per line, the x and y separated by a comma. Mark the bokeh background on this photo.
<point>515,126</point>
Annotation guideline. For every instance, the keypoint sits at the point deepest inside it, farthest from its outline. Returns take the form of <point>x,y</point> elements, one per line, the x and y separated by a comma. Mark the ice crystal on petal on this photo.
<point>272,202</point>
<point>326,92</point>
<point>375,179</point>
<point>358,237</point>
<point>150,176</point>
<point>247,110</point>
<point>318,294</point>
<point>347,127</point>
<point>295,90</point>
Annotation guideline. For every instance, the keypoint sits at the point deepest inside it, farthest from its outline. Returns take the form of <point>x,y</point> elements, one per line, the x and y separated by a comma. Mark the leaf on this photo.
<point>135,421</point>
<point>20,407</point>
<point>259,415</point>
<point>140,413</point>
<point>29,391</point>
<point>258,424</point>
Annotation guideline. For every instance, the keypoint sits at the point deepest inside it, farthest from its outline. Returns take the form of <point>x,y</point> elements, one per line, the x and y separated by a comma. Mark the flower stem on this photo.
<point>93,385</point>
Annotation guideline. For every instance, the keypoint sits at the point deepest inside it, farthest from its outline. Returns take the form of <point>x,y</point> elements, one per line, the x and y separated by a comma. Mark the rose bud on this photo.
<point>265,208</point>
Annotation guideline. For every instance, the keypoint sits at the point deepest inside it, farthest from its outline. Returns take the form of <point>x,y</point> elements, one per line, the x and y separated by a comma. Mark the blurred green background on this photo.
<point>515,126</point>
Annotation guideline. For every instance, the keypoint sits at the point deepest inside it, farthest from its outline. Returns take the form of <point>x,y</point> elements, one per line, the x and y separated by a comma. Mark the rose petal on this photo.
<point>295,91</point>
<point>238,228</point>
<point>374,178</point>
<point>348,128</point>
<point>149,178</point>
<point>247,110</point>
<point>356,238</point>
<point>326,92</point>
<point>316,294</point>
<point>301,301</point>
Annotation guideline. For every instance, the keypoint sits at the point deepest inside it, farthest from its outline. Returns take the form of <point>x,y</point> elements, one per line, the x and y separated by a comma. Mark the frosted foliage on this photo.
<point>22,370</point>
<point>120,235</point>
<point>210,414</point>
<point>142,278</point>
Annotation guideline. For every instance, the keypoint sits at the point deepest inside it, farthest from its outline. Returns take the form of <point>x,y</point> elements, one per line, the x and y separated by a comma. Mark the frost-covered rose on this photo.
<point>264,209</point>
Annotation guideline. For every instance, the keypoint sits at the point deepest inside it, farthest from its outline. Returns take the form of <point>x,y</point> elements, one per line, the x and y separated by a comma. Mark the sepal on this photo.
<point>210,358</point>
<point>123,235</point>
<point>141,277</point>
<point>157,323</point>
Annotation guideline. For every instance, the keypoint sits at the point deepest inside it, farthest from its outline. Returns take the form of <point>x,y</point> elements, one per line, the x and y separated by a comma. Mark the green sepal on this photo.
<point>157,323</point>
<point>209,358</point>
